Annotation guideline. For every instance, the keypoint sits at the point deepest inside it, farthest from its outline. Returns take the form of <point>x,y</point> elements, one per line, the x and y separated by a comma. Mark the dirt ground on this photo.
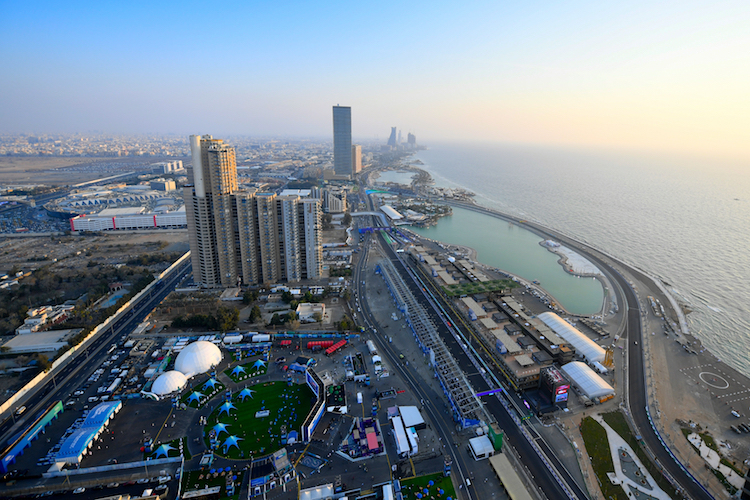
<point>31,253</point>
<point>58,171</point>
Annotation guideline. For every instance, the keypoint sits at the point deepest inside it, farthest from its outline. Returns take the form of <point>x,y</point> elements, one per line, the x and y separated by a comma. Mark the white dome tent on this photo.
<point>583,345</point>
<point>168,382</point>
<point>198,357</point>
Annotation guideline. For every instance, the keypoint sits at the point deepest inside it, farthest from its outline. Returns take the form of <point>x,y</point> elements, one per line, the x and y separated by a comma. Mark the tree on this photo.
<point>255,314</point>
<point>347,219</point>
<point>275,320</point>
<point>286,296</point>
<point>249,297</point>
<point>345,324</point>
<point>227,318</point>
<point>317,317</point>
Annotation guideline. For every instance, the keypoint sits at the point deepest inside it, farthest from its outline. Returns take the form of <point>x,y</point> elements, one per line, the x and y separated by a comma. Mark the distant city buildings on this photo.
<point>356,159</point>
<point>342,140</point>
<point>411,139</point>
<point>167,167</point>
<point>392,138</point>
<point>243,236</point>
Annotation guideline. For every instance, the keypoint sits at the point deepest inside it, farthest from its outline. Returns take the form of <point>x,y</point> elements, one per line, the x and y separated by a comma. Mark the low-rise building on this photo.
<point>306,311</point>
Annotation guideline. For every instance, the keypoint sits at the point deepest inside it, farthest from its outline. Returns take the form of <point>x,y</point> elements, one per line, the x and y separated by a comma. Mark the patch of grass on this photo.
<point>617,421</point>
<point>479,287</point>
<point>597,446</point>
<point>730,488</point>
<point>287,405</point>
<point>207,394</point>
<point>410,487</point>
<point>732,466</point>
<point>709,440</point>
<point>249,370</point>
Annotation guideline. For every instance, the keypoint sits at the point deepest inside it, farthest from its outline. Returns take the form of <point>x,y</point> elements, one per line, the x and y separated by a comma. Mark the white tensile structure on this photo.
<point>168,382</point>
<point>589,383</point>
<point>198,357</point>
<point>583,345</point>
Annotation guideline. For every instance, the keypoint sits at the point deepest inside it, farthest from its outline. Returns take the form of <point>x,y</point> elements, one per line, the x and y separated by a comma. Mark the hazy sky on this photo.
<point>672,76</point>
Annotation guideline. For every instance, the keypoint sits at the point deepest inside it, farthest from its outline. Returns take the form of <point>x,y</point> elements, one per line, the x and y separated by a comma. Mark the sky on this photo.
<point>666,76</point>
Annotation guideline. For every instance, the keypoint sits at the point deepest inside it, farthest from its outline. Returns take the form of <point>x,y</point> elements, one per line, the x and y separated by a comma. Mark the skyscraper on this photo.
<point>342,140</point>
<point>242,236</point>
<point>356,159</point>
<point>392,138</point>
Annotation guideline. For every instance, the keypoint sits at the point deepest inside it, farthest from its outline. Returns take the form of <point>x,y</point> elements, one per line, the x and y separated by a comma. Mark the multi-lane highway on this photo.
<point>63,381</point>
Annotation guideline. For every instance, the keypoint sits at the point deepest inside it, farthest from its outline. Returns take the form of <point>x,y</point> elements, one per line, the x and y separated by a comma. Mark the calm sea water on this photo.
<point>510,248</point>
<point>683,220</point>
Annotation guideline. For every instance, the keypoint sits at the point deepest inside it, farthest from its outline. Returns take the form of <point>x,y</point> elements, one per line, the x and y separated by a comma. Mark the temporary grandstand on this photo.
<point>587,381</point>
<point>77,444</point>
<point>583,345</point>
<point>467,409</point>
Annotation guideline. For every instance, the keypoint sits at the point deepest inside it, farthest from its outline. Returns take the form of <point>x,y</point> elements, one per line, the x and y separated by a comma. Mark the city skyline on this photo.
<point>668,77</point>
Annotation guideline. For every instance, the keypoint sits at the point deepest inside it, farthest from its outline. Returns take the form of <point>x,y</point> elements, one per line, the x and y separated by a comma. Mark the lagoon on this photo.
<point>510,248</point>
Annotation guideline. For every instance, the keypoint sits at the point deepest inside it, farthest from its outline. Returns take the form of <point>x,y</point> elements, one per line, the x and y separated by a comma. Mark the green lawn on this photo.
<point>617,421</point>
<point>287,405</point>
<point>479,287</point>
<point>251,369</point>
<point>410,487</point>
<point>597,446</point>
<point>199,479</point>
<point>207,394</point>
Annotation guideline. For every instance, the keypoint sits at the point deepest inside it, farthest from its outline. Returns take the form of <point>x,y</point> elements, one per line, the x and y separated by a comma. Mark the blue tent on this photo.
<point>163,450</point>
<point>237,370</point>
<point>210,383</point>
<point>246,392</point>
<point>232,441</point>
<point>194,396</point>
<point>259,364</point>
<point>219,428</point>
<point>226,407</point>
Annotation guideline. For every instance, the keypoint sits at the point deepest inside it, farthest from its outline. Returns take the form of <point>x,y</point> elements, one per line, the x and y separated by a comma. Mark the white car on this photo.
<point>79,490</point>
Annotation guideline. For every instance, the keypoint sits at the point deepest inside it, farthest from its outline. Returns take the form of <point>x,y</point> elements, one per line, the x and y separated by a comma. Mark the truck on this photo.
<point>371,347</point>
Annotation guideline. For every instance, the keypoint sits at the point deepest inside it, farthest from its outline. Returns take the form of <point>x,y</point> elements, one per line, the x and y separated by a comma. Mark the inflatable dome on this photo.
<point>168,382</point>
<point>198,357</point>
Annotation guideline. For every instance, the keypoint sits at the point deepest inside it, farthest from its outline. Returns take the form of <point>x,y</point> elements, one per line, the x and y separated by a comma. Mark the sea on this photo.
<point>684,220</point>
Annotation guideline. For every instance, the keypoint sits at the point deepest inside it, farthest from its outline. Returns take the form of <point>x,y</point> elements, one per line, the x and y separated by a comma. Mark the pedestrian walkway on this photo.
<point>647,487</point>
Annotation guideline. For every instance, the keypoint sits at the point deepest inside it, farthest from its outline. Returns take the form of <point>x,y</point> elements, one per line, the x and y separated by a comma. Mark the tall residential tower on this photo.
<point>242,236</point>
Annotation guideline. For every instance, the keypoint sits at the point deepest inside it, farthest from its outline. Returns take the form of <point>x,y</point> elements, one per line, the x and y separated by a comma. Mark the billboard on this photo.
<point>311,383</point>
<point>561,393</point>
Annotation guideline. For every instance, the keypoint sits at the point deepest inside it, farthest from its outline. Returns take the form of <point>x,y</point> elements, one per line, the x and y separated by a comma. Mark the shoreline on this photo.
<point>670,395</point>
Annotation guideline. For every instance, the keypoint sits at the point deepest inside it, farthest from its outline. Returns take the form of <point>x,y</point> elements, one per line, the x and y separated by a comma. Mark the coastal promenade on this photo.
<point>637,384</point>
